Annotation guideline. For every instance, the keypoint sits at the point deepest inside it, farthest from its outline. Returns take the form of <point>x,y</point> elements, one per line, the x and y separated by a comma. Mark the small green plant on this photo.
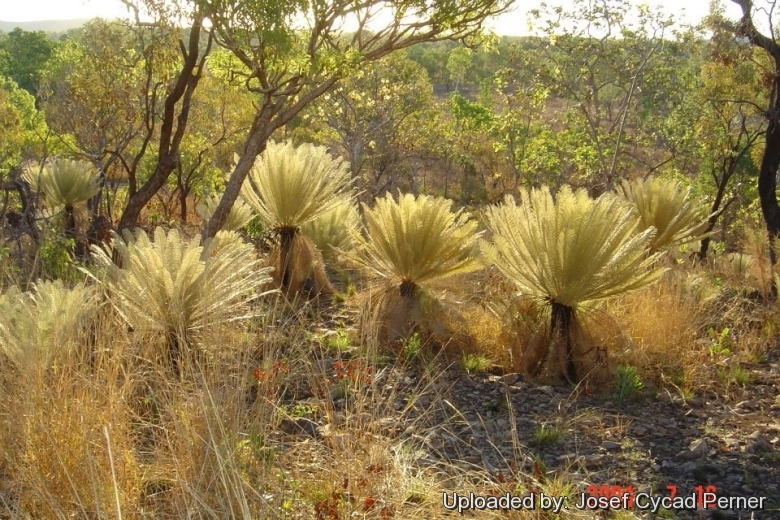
<point>252,450</point>
<point>338,342</point>
<point>56,257</point>
<point>255,228</point>
<point>627,382</point>
<point>547,435</point>
<point>720,342</point>
<point>737,375</point>
<point>473,363</point>
<point>411,348</point>
<point>301,410</point>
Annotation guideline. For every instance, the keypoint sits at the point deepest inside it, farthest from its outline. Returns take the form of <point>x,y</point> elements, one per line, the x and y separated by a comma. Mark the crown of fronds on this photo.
<point>239,216</point>
<point>171,285</point>
<point>416,240</point>
<point>668,207</point>
<point>334,229</point>
<point>569,250</point>
<point>289,186</point>
<point>36,325</point>
<point>64,182</point>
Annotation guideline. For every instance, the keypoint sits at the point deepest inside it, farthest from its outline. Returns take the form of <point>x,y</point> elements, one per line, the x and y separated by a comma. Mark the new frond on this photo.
<point>172,285</point>
<point>36,325</point>
<point>416,239</point>
<point>668,207</point>
<point>569,250</point>
<point>64,183</point>
<point>334,229</point>
<point>239,216</point>
<point>289,186</point>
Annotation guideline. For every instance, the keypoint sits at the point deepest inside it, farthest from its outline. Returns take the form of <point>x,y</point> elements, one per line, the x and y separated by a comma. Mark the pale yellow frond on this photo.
<point>669,208</point>
<point>334,230</point>
<point>64,182</point>
<point>171,285</point>
<point>239,216</point>
<point>568,250</point>
<point>289,186</point>
<point>37,325</point>
<point>416,239</point>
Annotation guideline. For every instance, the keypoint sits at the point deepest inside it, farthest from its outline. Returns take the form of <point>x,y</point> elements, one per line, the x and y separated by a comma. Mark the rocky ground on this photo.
<point>504,426</point>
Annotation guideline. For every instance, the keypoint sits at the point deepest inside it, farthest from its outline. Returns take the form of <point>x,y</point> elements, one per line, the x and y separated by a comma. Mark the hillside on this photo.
<point>43,25</point>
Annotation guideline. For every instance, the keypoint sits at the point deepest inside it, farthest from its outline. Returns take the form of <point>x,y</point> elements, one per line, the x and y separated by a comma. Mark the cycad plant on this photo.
<point>415,240</point>
<point>176,287</point>
<point>239,216</point>
<point>36,325</point>
<point>333,231</point>
<point>288,187</point>
<point>668,207</point>
<point>63,184</point>
<point>568,251</point>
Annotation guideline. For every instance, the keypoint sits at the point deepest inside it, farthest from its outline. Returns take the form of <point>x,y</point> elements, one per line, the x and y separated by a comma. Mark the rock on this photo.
<point>696,449</point>
<point>757,443</point>
<point>696,402</point>
<point>748,405</point>
<point>473,459</point>
<point>511,379</point>
<point>611,445</point>
<point>299,426</point>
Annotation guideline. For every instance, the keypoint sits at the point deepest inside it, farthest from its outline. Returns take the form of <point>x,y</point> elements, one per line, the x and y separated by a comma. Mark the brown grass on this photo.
<point>110,432</point>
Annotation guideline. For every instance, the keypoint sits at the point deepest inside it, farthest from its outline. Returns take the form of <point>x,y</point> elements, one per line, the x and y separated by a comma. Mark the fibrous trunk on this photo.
<point>561,328</point>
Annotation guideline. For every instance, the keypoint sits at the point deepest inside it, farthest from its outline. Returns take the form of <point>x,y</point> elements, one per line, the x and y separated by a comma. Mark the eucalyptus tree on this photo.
<point>291,52</point>
<point>378,118</point>
<point>606,66</point>
<point>770,161</point>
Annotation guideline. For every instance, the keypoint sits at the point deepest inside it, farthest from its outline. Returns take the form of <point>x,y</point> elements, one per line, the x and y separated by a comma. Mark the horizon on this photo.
<point>513,23</point>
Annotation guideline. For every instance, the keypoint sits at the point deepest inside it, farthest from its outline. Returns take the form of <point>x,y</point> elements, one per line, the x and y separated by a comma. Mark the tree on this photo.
<point>604,71</point>
<point>595,253</point>
<point>98,99</point>
<point>379,119</point>
<point>724,122</point>
<point>770,162</point>
<point>288,66</point>
<point>25,54</point>
<point>173,98</point>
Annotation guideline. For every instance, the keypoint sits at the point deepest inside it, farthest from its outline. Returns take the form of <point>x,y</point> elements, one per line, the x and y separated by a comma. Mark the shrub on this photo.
<point>288,187</point>
<point>239,216</point>
<point>333,231</point>
<point>36,325</point>
<point>667,207</point>
<point>566,252</point>
<point>175,287</point>
<point>64,183</point>
<point>413,241</point>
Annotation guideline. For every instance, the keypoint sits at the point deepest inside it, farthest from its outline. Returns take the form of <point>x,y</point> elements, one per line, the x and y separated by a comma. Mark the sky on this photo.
<point>513,23</point>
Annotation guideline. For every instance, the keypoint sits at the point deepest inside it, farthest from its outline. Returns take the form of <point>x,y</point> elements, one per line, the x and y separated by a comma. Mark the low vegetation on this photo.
<point>411,270</point>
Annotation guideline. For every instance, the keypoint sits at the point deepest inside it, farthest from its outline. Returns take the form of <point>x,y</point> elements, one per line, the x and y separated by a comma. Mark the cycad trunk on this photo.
<point>561,328</point>
<point>70,222</point>
<point>286,237</point>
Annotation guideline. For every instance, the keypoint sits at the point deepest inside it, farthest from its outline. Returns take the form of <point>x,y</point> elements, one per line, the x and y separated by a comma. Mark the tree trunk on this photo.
<point>256,143</point>
<point>173,126</point>
<point>767,181</point>
<point>767,175</point>
<point>142,197</point>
